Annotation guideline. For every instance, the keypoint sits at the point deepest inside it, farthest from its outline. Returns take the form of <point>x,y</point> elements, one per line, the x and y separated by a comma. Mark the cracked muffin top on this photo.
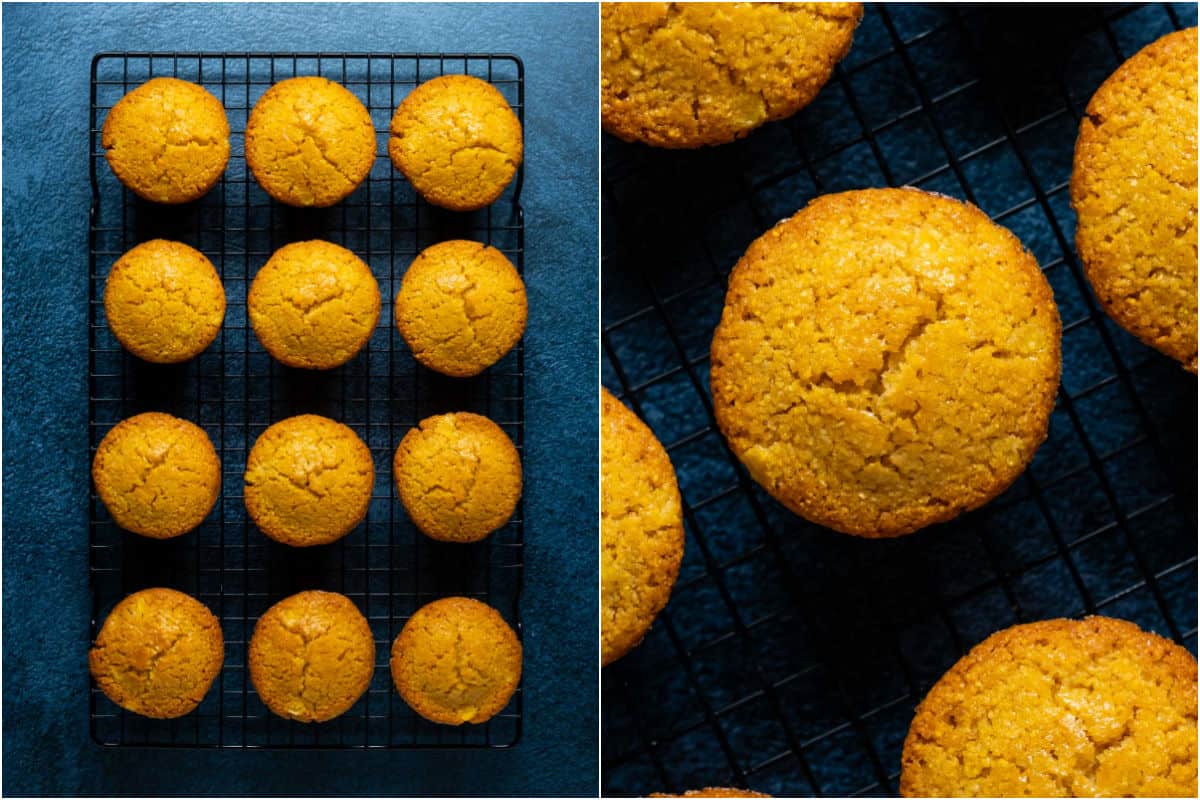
<point>1059,708</point>
<point>309,142</point>
<point>157,653</point>
<point>457,141</point>
<point>886,359</point>
<point>167,140</point>
<point>164,301</point>
<point>641,528</point>
<point>461,307</point>
<point>1133,188</point>
<point>456,660</point>
<point>458,476</point>
<point>684,75</point>
<point>313,304</point>
<point>312,656</point>
<point>308,481</point>
<point>157,475</point>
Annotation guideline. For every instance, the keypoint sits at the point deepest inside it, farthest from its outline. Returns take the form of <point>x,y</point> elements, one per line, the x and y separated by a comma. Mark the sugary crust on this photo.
<point>314,304</point>
<point>886,359</point>
<point>167,140</point>
<point>461,307</point>
<point>715,791</point>
<point>159,476</point>
<point>157,653</point>
<point>1085,708</point>
<point>456,661</point>
<point>309,142</point>
<point>308,481</point>
<point>458,476</point>
<point>457,141</point>
<point>1133,188</point>
<point>164,301</point>
<point>684,75</point>
<point>312,656</point>
<point>641,528</point>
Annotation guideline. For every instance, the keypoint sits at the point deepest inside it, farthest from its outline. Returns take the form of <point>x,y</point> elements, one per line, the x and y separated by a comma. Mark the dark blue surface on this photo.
<point>47,53</point>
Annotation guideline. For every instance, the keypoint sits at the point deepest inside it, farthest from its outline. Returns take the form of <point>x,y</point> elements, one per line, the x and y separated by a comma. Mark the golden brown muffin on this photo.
<point>641,528</point>
<point>1133,188</point>
<point>309,142</point>
<point>886,359</point>
<point>308,481</point>
<point>167,140</point>
<point>1060,708</point>
<point>313,304</point>
<point>693,74</point>
<point>158,653</point>
<point>164,301</point>
<point>458,476</point>
<point>157,475</point>
<point>457,141</point>
<point>456,660</point>
<point>312,656</point>
<point>461,307</point>
<point>715,791</point>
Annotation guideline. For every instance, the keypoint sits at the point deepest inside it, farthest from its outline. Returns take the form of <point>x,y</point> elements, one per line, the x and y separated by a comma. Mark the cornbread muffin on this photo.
<point>457,141</point>
<point>461,307</point>
<point>313,304</point>
<point>1059,708</point>
<point>641,528</point>
<point>1134,190</point>
<point>886,359</point>
<point>157,475</point>
<point>164,301</point>
<point>167,140</point>
<point>456,660</point>
<point>309,142</point>
<point>458,476</point>
<point>715,791</point>
<point>308,481</point>
<point>691,74</point>
<point>157,653</point>
<point>312,656</point>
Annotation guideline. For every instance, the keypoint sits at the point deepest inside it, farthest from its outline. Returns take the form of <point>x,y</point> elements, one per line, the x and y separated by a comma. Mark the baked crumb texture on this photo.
<point>456,661</point>
<point>1059,708</point>
<point>1133,189</point>
<point>886,359</point>
<point>684,75</point>
<point>641,528</point>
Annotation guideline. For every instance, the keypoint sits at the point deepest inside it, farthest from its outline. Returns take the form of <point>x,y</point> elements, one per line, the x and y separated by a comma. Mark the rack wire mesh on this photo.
<point>790,658</point>
<point>234,390</point>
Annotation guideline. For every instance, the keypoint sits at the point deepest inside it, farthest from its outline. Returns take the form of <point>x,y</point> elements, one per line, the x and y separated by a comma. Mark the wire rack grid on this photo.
<point>234,390</point>
<point>790,658</point>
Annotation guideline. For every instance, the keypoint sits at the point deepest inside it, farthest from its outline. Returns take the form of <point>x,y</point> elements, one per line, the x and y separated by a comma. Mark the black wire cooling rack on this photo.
<point>234,390</point>
<point>790,658</point>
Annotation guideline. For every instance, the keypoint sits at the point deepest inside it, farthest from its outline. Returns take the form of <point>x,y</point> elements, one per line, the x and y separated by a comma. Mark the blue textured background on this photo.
<point>47,52</point>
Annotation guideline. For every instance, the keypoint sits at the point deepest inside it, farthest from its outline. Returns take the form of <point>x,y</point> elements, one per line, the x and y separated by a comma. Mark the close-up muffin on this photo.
<point>164,301</point>
<point>684,75</point>
<point>313,305</point>
<point>456,661</point>
<point>461,307</point>
<point>457,141</point>
<point>312,656</point>
<point>886,359</point>
<point>159,476</point>
<point>157,653</point>
<point>167,140</point>
<point>308,481</point>
<point>458,476</point>
<point>641,528</point>
<point>1133,189</point>
<point>1076,708</point>
<point>309,142</point>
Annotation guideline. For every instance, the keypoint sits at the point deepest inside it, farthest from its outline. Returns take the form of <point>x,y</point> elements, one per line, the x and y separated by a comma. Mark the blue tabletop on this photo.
<point>47,54</point>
